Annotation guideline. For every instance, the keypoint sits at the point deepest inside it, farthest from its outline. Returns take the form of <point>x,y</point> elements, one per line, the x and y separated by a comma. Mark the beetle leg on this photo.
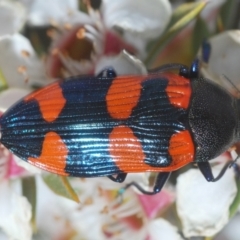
<point>159,183</point>
<point>119,178</point>
<point>206,170</point>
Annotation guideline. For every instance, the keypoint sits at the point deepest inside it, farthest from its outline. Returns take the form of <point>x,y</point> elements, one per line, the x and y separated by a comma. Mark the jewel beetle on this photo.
<point>109,125</point>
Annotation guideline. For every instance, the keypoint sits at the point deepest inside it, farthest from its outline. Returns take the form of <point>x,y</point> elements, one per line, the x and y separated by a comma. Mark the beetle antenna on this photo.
<point>231,83</point>
<point>168,67</point>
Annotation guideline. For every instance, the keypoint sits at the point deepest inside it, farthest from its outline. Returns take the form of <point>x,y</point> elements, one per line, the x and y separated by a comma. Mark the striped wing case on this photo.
<point>95,126</point>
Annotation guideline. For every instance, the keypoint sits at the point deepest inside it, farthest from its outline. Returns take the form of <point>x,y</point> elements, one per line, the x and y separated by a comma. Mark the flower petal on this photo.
<point>211,12</point>
<point>25,68</point>
<point>147,18</point>
<point>58,210</point>
<point>124,64</point>
<point>152,205</point>
<point>114,44</point>
<point>11,96</point>
<point>8,166</point>
<point>75,50</point>
<point>162,229</point>
<point>224,60</point>
<point>203,206</point>
<point>25,165</point>
<point>15,214</point>
<point>4,160</point>
<point>12,17</point>
<point>14,169</point>
<point>54,11</point>
<point>231,231</point>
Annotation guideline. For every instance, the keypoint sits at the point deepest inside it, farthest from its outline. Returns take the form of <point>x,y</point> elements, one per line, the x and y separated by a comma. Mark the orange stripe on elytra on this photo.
<point>53,156</point>
<point>51,101</point>
<point>123,146</point>
<point>129,157</point>
<point>181,148</point>
<point>178,90</point>
<point>123,95</point>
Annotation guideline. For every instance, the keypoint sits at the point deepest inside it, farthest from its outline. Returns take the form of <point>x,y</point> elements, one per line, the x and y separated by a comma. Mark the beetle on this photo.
<point>109,125</point>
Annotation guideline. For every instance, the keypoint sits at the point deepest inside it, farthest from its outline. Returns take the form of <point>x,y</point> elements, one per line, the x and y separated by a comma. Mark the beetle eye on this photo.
<point>184,72</point>
<point>111,72</point>
<point>107,73</point>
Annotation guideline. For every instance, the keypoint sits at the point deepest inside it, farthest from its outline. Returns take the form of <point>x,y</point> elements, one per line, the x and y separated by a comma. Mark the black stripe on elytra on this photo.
<point>89,126</point>
<point>23,129</point>
<point>154,120</point>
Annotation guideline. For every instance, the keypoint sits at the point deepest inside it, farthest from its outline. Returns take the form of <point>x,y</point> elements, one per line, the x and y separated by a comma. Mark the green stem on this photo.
<point>30,192</point>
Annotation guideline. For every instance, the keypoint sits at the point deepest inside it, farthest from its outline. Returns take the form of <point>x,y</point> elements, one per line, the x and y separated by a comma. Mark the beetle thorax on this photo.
<point>212,118</point>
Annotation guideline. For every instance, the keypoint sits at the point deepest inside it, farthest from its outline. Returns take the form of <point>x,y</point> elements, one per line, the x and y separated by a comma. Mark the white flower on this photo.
<point>147,19</point>
<point>87,38</point>
<point>224,60</point>
<point>12,17</point>
<point>232,230</point>
<point>162,229</point>
<point>19,65</point>
<point>15,213</point>
<point>202,206</point>
<point>11,96</point>
<point>10,165</point>
<point>53,212</point>
<point>123,64</point>
<point>42,13</point>
<point>139,20</point>
<point>77,49</point>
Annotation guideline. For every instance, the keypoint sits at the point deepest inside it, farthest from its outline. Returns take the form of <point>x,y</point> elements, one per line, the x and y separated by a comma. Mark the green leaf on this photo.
<point>82,6</point>
<point>235,205</point>
<point>208,238</point>
<point>30,192</point>
<point>61,186</point>
<point>229,11</point>
<point>180,12</point>
<point>200,33</point>
<point>182,16</point>
<point>3,82</point>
